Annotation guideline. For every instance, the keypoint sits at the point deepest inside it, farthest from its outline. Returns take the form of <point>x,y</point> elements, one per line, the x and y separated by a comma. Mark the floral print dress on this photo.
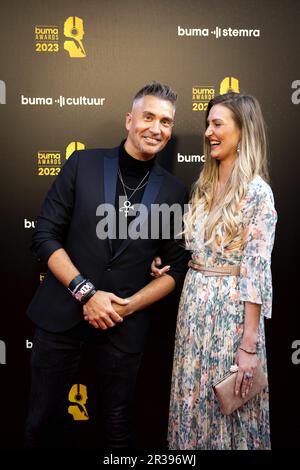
<point>209,331</point>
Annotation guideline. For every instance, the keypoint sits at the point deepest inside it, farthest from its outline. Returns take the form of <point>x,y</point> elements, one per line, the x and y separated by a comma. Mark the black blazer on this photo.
<point>68,220</point>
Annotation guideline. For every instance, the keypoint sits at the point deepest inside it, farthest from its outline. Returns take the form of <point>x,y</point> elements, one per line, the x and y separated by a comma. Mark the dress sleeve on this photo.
<point>256,278</point>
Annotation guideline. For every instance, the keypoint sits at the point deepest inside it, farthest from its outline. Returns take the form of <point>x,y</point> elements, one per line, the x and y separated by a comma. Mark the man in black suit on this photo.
<point>95,232</point>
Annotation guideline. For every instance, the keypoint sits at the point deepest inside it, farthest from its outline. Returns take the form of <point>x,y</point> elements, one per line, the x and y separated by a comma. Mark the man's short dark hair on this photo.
<point>160,90</point>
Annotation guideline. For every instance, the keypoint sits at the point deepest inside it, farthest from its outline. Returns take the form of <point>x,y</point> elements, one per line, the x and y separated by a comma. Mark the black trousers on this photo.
<point>55,363</point>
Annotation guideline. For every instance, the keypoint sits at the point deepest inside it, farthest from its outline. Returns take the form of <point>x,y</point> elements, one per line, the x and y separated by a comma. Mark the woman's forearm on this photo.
<point>251,324</point>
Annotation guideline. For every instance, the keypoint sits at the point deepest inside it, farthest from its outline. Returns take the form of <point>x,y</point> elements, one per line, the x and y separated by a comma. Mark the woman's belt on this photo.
<point>215,270</point>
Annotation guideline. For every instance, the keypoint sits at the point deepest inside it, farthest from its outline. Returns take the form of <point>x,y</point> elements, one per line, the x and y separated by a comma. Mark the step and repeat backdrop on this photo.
<point>68,73</point>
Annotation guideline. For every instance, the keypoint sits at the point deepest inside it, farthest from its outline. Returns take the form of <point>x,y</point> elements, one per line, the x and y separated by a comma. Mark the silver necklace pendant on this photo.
<point>126,207</point>
<point>127,204</point>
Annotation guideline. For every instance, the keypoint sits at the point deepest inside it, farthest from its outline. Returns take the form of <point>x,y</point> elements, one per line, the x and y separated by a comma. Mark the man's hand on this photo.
<point>99,312</point>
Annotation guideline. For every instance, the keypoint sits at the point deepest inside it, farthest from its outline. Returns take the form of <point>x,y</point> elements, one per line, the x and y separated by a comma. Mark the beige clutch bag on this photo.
<point>224,389</point>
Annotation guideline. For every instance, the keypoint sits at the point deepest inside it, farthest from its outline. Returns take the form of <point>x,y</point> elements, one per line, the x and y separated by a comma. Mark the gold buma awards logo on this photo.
<point>49,162</point>
<point>202,94</point>
<point>77,401</point>
<point>47,38</point>
<point>73,29</point>
<point>72,147</point>
<point>229,84</point>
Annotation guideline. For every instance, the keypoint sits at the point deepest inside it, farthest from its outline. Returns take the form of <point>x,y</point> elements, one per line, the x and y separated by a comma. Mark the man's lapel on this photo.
<point>110,185</point>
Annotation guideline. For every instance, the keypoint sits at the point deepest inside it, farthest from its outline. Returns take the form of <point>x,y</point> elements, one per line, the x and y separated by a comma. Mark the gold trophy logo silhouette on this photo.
<point>229,84</point>
<point>77,400</point>
<point>73,29</point>
<point>72,147</point>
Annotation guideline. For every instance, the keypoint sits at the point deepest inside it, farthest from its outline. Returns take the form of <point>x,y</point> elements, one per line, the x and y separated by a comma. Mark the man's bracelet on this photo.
<point>87,296</point>
<point>81,289</point>
<point>84,289</point>
<point>246,351</point>
<point>79,279</point>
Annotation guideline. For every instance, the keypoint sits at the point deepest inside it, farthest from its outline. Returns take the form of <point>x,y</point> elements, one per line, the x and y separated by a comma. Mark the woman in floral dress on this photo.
<point>230,226</point>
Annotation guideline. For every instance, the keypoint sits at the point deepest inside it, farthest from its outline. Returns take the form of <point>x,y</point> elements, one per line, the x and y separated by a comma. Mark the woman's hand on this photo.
<point>155,271</point>
<point>247,363</point>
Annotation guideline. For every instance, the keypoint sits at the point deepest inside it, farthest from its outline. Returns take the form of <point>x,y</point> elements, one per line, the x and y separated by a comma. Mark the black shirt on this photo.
<point>133,172</point>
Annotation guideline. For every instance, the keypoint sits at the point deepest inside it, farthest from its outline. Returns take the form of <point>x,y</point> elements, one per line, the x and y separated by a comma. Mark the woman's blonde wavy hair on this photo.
<point>251,161</point>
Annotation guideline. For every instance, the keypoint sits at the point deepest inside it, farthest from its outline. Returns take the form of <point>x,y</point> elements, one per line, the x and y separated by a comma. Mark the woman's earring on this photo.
<point>238,148</point>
